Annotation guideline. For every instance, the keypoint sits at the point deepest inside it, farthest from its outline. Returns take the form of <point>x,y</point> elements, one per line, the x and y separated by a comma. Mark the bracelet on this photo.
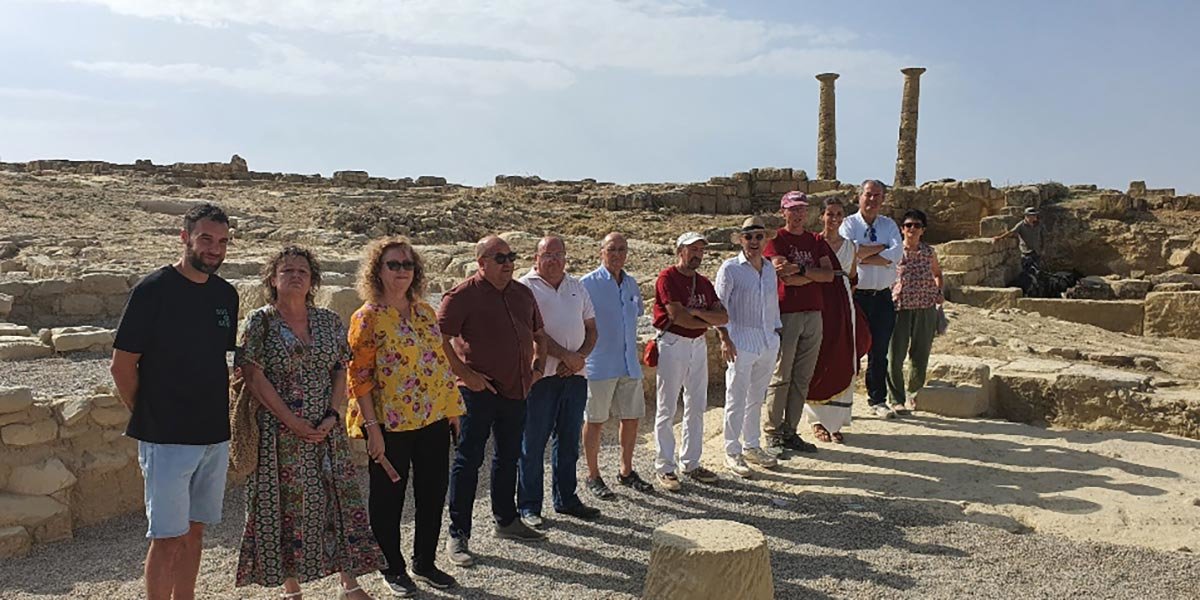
<point>370,423</point>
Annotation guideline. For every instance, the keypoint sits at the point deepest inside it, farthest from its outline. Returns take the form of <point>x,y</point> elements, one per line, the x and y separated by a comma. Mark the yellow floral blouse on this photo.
<point>403,362</point>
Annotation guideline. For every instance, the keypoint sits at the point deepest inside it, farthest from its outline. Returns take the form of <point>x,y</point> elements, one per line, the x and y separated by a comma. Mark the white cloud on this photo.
<point>665,37</point>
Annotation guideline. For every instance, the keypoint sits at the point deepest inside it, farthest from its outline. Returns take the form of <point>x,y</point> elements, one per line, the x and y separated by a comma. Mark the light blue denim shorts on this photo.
<point>184,484</point>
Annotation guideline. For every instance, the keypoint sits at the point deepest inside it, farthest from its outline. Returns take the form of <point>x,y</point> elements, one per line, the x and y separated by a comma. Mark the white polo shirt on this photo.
<point>563,311</point>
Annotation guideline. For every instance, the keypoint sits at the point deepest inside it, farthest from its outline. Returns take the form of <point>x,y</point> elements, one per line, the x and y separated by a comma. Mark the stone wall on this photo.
<point>63,464</point>
<point>979,262</point>
<point>92,299</point>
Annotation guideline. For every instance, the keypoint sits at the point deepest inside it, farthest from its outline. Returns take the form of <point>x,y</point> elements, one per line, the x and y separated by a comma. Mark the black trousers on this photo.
<point>428,451</point>
<point>880,312</point>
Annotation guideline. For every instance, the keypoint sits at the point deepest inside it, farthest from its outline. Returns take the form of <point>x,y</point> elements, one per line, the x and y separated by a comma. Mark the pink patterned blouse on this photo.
<point>915,287</point>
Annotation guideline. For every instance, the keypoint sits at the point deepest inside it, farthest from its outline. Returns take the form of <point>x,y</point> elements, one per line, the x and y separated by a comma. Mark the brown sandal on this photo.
<point>821,433</point>
<point>838,438</point>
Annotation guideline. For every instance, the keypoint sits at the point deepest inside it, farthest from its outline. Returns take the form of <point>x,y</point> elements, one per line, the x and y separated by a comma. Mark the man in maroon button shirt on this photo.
<point>492,335</point>
<point>800,259</point>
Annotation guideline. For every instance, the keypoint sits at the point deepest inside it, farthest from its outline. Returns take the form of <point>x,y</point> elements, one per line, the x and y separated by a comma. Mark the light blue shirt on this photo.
<point>617,308</point>
<point>885,232</point>
<point>752,299</point>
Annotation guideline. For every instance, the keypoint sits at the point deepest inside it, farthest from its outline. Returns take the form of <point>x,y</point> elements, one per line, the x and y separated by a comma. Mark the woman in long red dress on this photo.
<point>845,336</point>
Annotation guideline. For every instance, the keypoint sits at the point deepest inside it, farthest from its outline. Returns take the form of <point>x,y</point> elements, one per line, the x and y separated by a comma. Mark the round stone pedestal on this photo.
<point>695,559</point>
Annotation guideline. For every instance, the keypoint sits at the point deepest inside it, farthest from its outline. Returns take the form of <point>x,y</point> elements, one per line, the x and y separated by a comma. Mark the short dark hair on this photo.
<point>314,269</point>
<point>204,210</point>
<point>915,214</point>
<point>832,201</point>
<point>882,185</point>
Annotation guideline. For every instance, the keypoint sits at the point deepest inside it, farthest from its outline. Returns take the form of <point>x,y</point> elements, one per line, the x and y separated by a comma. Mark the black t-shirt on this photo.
<point>182,329</point>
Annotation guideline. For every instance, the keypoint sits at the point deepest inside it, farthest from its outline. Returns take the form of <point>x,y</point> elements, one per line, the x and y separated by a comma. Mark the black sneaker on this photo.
<point>775,444</point>
<point>580,511</point>
<point>635,482</point>
<point>402,585</point>
<point>795,444</point>
<point>517,530</point>
<point>599,489</point>
<point>433,577</point>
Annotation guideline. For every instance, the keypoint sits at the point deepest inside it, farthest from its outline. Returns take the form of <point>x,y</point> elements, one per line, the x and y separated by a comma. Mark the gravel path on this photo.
<point>76,373</point>
<point>822,546</point>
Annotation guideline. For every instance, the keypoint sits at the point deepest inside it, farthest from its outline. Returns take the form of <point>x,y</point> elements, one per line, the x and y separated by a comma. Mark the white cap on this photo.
<point>688,239</point>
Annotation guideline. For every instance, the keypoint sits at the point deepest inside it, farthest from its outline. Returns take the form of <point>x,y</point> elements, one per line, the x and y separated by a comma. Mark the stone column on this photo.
<point>826,129</point>
<point>906,148</point>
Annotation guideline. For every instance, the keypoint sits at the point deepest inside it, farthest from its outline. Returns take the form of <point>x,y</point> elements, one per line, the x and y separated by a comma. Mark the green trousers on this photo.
<point>913,337</point>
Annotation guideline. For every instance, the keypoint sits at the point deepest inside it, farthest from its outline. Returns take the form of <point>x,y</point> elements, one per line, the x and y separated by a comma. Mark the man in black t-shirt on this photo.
<point>170,370</point>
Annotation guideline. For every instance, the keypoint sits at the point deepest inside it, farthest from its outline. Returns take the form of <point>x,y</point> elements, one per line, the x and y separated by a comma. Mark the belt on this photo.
<point>863,292</point>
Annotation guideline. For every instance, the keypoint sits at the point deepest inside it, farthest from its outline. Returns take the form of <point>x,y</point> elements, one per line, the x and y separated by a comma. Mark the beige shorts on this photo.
<point>621,397</point>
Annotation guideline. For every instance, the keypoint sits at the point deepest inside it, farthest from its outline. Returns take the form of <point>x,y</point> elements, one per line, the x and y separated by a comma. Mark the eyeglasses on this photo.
<point>396,265</point>
<point>758,237</point>
<point>554,255</point>
<point>871,234</point>
<point>617,249</point>
<point>913,225</point>
<point>511,257</point>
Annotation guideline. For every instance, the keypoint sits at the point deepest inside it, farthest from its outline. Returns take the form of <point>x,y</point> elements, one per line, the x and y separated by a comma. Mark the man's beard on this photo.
<point>693,263</point>
<point>198,263</point>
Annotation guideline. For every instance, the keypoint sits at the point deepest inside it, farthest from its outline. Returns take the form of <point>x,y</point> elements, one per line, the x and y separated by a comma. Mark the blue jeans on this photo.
<point>487,414</point>
<point>554,410</point>
<point>880,311</point>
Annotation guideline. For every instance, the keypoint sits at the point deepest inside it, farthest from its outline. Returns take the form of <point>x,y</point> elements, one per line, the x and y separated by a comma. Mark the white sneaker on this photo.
<point>883,411</point>
<point>737,466</point>
<point>759,457</point>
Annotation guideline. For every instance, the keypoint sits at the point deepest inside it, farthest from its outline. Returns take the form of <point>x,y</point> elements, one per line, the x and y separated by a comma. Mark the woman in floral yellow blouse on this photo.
<point>405,401</point>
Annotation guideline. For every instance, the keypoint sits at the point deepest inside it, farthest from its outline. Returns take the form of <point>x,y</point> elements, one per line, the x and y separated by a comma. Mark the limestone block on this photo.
<point>82,304</point>
<point>816,186</point>
<point>102,461</point>
<point>1122,316</point>
<point>966,247</point>
<point>985,297</point>
<point>698,559</point>
<point>29,511</point>
<point>996,225</point>
<point>964,401</point>
<point>782,187</point>
<point>6,304</point>
<point>1185,258</point>
<point>73,432</point>
<point>962,370</point>
<point>71,411</point>
<point>110,416</point>
<point>167,206</point>
<point>1023,197</point>
<point>1173,314</point>
<point>103,283</point>
<point>14,330</point>
<point>953,279</point>
<point>14,541</point>
<point>42,479</point>
<point>1130,289</point>
<point>24,416</point>
<point>28,434</point>
<point>430,180</point>
<point>71,339</point>
<point>15,399</point>
<point>961,263</point>
<point>104,400</point>
<point>342,300</point>
<point>23,348</point>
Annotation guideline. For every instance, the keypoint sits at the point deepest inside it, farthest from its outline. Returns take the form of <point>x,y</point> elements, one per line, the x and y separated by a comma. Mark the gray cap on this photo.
<point>688,239</point>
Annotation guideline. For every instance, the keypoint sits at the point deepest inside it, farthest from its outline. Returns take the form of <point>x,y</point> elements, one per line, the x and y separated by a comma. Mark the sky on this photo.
<point>1076,91</point>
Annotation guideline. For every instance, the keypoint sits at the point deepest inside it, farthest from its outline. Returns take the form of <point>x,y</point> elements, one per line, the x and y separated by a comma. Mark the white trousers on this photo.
<point>682,364</point>
<point>746,380</point>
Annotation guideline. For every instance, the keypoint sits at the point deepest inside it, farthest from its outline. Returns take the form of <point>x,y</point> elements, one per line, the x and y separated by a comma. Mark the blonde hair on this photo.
<point>370,284</point>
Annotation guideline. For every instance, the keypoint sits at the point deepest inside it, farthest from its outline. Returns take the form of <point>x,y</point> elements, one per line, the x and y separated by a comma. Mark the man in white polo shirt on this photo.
<point>554,408</point>
<point>880,247</point>
<point>747,287</point>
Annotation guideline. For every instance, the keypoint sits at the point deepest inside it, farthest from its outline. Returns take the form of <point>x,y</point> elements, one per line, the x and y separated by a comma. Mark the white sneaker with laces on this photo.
<point>737,465</point>
<point>882,411</point>
<point>759,457</point>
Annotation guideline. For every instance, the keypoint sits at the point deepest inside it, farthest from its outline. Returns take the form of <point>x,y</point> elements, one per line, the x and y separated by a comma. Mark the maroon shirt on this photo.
<point>804,249</point>
<point>494,331</point>
<point>673,286</point>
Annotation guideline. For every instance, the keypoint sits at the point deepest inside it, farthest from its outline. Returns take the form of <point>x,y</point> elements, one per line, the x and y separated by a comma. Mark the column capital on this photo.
<point>827,77</point>
<point>913,71</point>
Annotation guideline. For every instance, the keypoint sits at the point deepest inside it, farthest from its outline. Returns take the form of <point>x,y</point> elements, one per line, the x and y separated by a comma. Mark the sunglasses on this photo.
<point>913,225</point>
<point>511,257</point>
<point>396,265</point>
<point>758,237</point>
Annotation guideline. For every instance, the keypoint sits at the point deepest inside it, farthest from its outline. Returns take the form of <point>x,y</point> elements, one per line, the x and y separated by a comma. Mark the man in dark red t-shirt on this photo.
<point>685,306</point>
<point>800,260</point>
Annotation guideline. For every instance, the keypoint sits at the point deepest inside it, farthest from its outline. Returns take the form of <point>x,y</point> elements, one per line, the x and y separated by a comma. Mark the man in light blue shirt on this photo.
<point>748,288</point>
<point>880,247</point>
<point>613,371</point>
